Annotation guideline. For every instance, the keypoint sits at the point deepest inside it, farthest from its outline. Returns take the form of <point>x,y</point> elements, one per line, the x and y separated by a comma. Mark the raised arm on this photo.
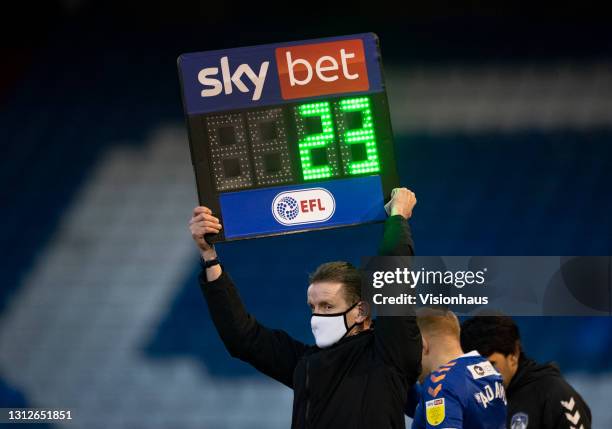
<point>397,238</point>
<point>398,337</point>
<point>273,352</point>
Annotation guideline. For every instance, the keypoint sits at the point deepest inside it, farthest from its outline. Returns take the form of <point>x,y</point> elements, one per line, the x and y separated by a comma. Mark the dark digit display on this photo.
<point>229,151</point>
<point>270,146</point>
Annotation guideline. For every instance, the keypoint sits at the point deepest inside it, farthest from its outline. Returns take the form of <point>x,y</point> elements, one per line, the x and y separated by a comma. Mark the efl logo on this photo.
<point>322,68</point>
<point>303,206</point>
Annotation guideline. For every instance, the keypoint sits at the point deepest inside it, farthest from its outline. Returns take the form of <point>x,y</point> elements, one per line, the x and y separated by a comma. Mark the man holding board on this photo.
<point>359,372</point>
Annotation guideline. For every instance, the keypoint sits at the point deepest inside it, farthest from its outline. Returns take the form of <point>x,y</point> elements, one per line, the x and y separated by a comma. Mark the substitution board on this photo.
<point>290,137</point>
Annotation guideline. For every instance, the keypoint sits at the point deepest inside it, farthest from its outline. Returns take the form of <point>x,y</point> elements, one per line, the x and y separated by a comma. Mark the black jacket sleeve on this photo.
<point>398,338</point>
<point>397,238</point>
<point>563,407</point>
<point>273,352</point>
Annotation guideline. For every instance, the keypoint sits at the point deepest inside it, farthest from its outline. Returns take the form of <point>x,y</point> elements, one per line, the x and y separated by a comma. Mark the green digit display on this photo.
<point>357,138</point>
<point>315,130</point>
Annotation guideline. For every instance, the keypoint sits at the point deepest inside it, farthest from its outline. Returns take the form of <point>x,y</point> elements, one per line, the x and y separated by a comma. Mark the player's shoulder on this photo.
<point>468,370</point>
<point>466,386</point>
<point>443,393</point>
<point>483,382</point>
<point>446,378</point>
<point>477,367</point>
<point>459,374</point>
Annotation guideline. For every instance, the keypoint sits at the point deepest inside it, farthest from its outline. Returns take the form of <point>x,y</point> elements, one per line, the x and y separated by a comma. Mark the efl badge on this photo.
<point>435,411</point>
<point>519,421</point>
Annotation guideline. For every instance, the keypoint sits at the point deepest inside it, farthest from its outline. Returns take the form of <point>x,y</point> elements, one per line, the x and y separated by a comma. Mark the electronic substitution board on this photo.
<point>290,137</point>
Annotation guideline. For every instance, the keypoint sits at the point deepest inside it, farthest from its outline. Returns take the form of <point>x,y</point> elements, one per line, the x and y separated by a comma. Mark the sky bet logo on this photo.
<point>302,71</point>
<point>303,206</point>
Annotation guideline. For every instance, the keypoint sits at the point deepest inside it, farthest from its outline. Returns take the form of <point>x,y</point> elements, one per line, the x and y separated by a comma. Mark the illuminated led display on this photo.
<point>357,136</point>
<point>316,134</point>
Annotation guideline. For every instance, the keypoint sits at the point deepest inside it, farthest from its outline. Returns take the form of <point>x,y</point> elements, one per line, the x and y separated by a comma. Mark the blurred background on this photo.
<point>503,124</point>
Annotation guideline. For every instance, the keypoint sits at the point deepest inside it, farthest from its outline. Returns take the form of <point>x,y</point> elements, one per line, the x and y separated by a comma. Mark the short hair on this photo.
<point>490,334</point>
<point>341,272</point>
<point>438,321</point>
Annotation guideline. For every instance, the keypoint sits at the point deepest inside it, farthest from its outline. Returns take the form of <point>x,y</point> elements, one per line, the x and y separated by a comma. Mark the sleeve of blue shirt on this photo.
<point>442,411</point>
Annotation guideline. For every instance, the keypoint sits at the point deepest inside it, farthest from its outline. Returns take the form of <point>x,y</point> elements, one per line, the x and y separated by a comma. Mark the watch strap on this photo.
<point>209,263</point>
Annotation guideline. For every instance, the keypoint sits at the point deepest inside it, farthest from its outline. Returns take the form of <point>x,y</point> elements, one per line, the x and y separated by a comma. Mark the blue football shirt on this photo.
<point>467,392</point>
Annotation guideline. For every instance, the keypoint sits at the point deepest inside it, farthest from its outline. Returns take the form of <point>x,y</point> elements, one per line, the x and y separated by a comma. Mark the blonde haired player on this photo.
<point>458,390</point>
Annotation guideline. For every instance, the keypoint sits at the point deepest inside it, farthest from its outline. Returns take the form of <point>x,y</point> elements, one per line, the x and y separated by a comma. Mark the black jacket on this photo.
<point>360,382</point>
<point>548,401</point>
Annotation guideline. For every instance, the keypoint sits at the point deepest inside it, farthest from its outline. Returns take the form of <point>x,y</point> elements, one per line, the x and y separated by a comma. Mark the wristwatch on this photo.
<point>209,263</point>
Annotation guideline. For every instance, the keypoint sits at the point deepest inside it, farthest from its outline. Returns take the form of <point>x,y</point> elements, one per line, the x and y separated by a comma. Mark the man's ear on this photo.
<point>363,311</point>
<point>425,345</point>
<point>514,357</point>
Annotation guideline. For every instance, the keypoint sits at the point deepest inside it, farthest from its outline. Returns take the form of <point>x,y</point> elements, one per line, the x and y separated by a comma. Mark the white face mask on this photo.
<point>328,329</point>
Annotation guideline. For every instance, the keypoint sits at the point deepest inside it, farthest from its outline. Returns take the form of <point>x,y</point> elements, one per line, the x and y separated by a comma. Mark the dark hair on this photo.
<point>490,334</point>
<point>341,272</point>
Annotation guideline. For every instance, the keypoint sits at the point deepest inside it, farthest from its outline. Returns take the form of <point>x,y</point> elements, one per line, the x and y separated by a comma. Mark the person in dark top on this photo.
<point>358,375</point>
<point>538,395</point>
